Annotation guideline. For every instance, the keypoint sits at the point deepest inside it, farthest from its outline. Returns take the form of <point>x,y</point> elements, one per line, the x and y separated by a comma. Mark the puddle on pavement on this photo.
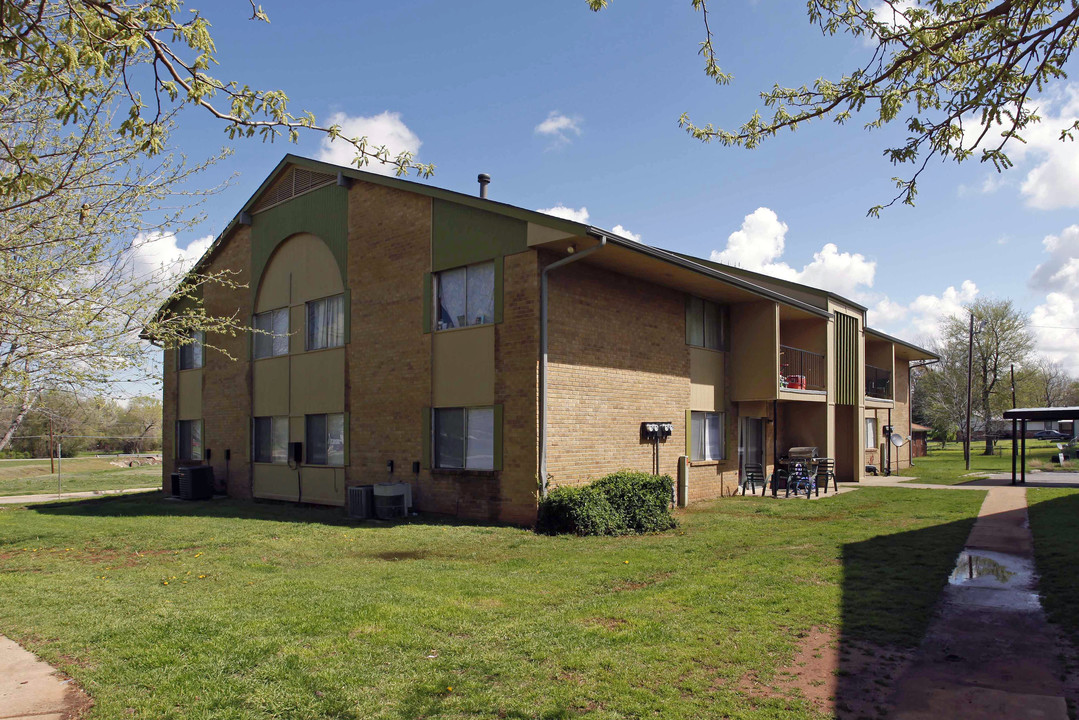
<point>971,566</point>
<point>993,580</point>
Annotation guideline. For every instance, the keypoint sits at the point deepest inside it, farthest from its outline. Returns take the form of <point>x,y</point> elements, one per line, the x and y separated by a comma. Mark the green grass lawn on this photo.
<point>946,467</point>
<point>1053,515</point>
<point>32,477</point>
<point>229,610</point>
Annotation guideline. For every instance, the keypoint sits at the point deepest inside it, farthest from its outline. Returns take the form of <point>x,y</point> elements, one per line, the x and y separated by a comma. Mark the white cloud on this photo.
<point>893,13</point>
<point>622,232</point>
<point>1054,323</point>
<point>920,320</point>
<point>1053,182</point>
<point>386,129</point>
<point>759,245</point>
<point>1061,271</point>
<point>559,127</point>
<point>567,213</point>
<point>158,257</point>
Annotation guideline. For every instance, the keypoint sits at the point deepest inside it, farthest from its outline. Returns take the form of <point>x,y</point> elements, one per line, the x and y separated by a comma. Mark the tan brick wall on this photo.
<point>388,356</point>
<point>517,387</point>
<point>226,385</point>
<point>169,403</point>
<point>226,381</point>
<point>900,414</point>
<point>618,357</point>
<point>389,363</point>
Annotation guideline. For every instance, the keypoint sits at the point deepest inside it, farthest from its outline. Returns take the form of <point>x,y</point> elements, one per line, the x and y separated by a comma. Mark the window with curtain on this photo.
<point>271,339</point>
<point>326,439</point>
<point>870,433</point>
<point>189,440</point>
<point>270,440</point>
<point>466,296</point>
<point>465,438</point>
<point>191,350</point>
<point>706,324</point>
<point>326,323</point>
<point>707,436</point>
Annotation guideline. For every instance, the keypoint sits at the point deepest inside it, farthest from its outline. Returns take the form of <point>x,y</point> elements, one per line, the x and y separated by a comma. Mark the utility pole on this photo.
<point>52,463</point>
<point>970,375</point>
<point>1013,387</point>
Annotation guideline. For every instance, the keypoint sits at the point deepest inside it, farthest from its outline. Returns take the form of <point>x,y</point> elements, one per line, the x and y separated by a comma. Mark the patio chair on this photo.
<point>779,481</point>
<point>801,480</point>
<point>825,471</point>
<point>754,475</point>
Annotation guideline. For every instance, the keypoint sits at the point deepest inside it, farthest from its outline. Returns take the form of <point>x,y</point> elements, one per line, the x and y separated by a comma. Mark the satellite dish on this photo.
<point>896,439</point>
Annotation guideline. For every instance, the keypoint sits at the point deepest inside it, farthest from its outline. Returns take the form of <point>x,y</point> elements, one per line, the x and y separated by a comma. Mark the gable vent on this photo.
<point>295,182</point>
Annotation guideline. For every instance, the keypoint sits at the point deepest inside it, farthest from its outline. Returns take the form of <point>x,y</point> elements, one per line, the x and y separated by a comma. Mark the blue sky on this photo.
<point>473,84</point>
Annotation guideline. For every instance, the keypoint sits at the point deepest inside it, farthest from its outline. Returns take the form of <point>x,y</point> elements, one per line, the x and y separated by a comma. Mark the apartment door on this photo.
<point>750,444</point>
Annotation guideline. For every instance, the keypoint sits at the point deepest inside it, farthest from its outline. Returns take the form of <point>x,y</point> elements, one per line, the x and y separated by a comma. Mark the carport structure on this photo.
<point>1019,418</point>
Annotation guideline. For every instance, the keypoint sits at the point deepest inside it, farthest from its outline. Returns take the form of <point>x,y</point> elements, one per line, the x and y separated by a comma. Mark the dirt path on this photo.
<point>31,690</point>
<point>989,652</point>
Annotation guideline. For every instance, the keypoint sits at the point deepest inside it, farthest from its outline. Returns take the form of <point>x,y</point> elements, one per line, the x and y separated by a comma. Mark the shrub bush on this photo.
<point>620,503</point>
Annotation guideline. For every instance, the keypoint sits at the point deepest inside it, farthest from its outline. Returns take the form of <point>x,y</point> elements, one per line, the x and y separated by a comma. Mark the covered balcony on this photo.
<point>879,368</point>
<point>803,363</point>
<point>878,383</point>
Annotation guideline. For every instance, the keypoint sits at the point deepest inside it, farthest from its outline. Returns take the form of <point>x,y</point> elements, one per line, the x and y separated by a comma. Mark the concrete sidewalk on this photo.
<point>53,497</point>
<point>31,690</point>
<point>989,652</point>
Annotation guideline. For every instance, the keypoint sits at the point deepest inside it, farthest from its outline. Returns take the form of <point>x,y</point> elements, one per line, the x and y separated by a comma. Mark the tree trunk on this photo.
<point>27,405</point>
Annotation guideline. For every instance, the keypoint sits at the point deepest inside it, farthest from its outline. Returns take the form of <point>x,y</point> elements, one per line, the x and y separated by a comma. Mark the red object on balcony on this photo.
<point>796,382</point>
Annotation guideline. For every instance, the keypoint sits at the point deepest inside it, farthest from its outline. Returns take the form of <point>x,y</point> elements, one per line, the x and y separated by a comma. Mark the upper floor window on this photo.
<point>272,338</point>
<point>466,296</point>
<point>706,324</point>
<point>191,350</point>
<point>326,323</point>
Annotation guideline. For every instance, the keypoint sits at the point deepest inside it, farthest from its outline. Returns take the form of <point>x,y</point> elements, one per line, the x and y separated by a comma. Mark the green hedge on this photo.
<point>618,504</point>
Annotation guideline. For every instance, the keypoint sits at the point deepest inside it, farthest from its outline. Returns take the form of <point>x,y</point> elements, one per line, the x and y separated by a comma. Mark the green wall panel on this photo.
<point>462,235</point>
<point>322,212</point>
<point>847,359</point>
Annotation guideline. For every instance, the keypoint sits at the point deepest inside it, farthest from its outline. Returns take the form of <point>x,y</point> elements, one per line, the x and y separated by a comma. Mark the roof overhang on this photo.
<point>903,349</point>
<point>663,267</point>
<point>1043,413</point>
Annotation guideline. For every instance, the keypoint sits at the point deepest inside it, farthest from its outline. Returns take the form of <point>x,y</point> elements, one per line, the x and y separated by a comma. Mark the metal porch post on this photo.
<point>1023,459</point>
<point>1015,446</point>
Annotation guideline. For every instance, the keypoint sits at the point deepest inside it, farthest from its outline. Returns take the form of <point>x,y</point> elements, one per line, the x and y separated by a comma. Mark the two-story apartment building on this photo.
<point>483,353</point>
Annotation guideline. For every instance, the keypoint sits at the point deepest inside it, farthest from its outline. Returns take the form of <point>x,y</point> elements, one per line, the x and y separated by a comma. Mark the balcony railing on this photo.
<point>801,369</point>
<point>878,383</point>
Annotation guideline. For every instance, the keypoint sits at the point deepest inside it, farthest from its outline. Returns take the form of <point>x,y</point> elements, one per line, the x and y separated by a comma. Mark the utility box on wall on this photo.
<point>656,430</point>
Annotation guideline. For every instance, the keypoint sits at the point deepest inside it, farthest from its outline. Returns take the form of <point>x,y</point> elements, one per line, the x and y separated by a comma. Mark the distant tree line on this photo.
<point>1002,341</point>
<point>89,424</point>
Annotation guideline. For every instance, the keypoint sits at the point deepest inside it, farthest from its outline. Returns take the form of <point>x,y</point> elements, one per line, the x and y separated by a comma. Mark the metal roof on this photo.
<point>1042,413</point>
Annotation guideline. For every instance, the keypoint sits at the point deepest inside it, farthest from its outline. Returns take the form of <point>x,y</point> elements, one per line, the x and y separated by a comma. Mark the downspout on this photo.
<point>543,355</point>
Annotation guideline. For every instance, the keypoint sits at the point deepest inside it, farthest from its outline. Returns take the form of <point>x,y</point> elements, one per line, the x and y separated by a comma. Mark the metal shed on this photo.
<point>1020,417</point>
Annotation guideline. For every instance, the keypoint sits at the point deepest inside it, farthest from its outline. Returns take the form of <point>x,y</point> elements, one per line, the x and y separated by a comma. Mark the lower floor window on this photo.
<point>870,433</point>
<point>326,439</point>
<point>189,440</point>
<point>465,438</point>
<point>271,439</point>
<point>707,435</point>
